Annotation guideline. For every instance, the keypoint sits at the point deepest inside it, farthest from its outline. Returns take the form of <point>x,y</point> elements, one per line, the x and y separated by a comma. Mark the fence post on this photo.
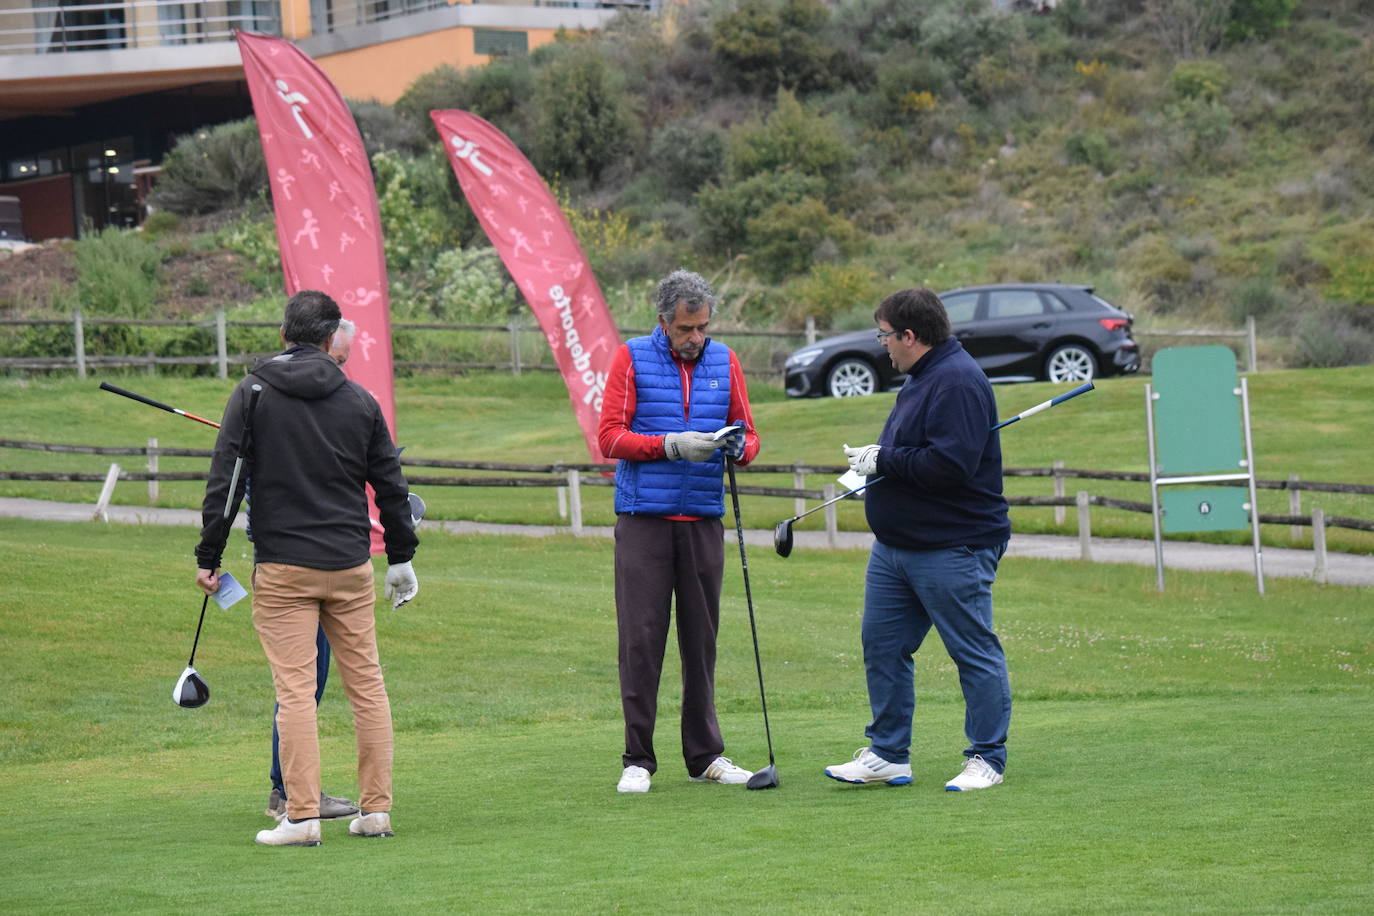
<point>810,330</point>
<point>152,469</point>
<point>575,499</point>
<point>221,343</point>
<point>562,502</point>
<point>106,492</point>
<point>79,335</point>
<point>798,481</point>
<point>1294,506</point>
<point>1250,339</point>
<point>1085,526</point>
<point>514,327</point>
<point>831,526</point>
<point>1319,545</point>
<point>1058,468</point>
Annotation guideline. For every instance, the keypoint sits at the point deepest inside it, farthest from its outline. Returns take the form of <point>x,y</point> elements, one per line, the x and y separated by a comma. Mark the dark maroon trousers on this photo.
<point>655,559</point>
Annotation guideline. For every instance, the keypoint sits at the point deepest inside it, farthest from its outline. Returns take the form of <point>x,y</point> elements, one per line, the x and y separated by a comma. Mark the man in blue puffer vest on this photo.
<point>666,396</point>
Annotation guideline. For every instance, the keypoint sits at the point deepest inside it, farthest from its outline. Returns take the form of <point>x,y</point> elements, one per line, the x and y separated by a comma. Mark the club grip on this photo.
<point>106,386</point>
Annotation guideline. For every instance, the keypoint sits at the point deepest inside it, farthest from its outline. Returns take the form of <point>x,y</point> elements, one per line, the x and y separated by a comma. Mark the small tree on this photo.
<point>583,121</point>
<point>211,170</point>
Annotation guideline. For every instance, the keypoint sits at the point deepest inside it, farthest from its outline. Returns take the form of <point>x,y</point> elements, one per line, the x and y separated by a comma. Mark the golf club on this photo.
<point>191,691</point>
<point>766,778</point>
<point>106,386</point>
<point>782,532</point>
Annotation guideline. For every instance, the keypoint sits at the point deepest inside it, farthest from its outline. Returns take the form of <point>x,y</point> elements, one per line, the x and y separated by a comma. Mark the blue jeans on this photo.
<point>321,675</point>
<point>905,592</point>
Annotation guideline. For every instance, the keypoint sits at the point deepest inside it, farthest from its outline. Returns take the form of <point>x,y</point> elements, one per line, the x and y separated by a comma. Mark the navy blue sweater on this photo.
<point>943,467</point>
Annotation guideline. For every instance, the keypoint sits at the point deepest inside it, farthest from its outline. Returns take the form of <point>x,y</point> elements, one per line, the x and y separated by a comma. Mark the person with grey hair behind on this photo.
<point>317,441</point>
<point>331,807</point>
<point>666,395</point>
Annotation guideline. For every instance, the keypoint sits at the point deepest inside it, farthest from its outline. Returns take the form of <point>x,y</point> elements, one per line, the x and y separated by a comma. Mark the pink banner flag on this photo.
<point>530,232</point>
<point>328,225</point>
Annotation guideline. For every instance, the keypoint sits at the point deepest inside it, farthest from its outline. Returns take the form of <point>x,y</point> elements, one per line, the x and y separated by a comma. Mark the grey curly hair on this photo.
<point>682,287</point>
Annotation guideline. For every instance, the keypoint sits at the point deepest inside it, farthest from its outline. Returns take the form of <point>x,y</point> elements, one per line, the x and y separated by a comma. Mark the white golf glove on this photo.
<point>863,460</point>
<point>689,446</point>
<point>401,584</point>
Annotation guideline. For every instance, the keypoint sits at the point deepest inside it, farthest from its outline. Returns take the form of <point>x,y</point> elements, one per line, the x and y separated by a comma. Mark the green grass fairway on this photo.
<point>1313,423</point>
<point>1197,751</point>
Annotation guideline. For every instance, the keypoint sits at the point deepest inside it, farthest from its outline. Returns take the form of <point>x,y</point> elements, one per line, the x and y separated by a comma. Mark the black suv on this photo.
<point>1016,331</point>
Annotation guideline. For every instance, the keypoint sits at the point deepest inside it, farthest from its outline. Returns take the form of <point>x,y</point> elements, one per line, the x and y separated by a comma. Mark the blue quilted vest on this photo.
<point>664,487</point>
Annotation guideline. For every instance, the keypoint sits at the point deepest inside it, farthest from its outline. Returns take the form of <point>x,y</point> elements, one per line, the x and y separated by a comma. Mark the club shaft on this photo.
<point>1046,405</point>
<point>834,500</point>
<point>749,602</point>
<point>106,386</point>
<point>190,662</point>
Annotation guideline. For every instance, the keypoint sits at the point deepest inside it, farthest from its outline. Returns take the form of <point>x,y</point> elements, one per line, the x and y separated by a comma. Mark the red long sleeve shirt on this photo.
<point>614,437</point>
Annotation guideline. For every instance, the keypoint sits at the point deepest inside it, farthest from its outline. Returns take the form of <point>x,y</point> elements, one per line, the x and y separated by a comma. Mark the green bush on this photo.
<point>1199,79</point>
<point>117,274</point>
<point>412,234</point>
<point>687,154</point>
<point>584,121</point>
<point>829,290</point>
<point>723,212</point>
<point>498,92</point>
<point>787,238</point>
<point>1256,297</point>
<point>1326,338</point>
<point>219,168</point>
<point>256,240</point>
<point>792,138</point>
<point>765,45</point>
<point>1092,149</point>
<point>383,127</point>
<point>1256,20</point>
<point>466,286</point>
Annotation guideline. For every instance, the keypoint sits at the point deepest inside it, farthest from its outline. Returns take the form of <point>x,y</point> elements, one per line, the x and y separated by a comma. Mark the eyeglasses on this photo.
<point>884,335</point>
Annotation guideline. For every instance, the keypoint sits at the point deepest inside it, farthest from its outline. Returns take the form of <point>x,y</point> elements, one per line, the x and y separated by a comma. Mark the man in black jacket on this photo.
<point>317,439</point>
<point>940,525</point>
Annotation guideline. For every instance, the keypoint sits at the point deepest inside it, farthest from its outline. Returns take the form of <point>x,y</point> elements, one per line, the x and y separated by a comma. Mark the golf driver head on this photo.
<point>417,509</point>
<point>191,691</point>
<point>766,778</point>
<point>782,538</point>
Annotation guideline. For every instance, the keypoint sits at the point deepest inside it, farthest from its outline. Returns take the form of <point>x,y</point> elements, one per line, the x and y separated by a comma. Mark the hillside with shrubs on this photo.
<point>1196,161</point>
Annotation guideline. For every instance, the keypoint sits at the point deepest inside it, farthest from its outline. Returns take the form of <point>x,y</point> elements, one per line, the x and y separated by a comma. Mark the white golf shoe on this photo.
<point>977,774</point>
<point>376,824</point>
<point>634,779</point>
<point>723,771</point>
<point>869,767</point>
<point>301,833</point>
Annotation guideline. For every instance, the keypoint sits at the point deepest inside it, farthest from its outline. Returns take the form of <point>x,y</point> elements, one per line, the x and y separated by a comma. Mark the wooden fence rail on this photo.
<point>571,474</point>
<point>81,361</point>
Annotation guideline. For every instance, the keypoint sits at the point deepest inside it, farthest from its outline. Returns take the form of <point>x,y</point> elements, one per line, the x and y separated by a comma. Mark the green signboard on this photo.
<point>1204,509</point>
<point>1197,412</point>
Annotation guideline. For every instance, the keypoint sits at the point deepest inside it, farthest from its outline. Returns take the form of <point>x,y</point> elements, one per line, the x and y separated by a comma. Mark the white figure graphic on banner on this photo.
<point>284,181</point>
<point>362,296</point>
<point>311,229</point>
<point>295,100</point>
<point>469,151</point>
<point>344,241</point>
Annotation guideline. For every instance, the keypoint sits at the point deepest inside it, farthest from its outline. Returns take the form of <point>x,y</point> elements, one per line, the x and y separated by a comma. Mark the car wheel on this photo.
<point>1071,363</point>
<point>851,378</point>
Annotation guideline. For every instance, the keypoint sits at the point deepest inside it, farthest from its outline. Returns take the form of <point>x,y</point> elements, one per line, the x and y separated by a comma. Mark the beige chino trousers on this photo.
<point>289,602</point>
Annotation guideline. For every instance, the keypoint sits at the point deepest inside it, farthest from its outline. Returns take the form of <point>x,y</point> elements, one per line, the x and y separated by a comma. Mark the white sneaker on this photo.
<point>376,824</point>
<point>634,779</point>
<point>721,770</point>
<point>977,774</point>
<point>303,833</point>
<point>869,767</point>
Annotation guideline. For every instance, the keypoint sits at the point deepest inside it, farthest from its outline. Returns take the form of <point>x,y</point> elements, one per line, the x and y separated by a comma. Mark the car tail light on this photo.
<point>1114,324</point>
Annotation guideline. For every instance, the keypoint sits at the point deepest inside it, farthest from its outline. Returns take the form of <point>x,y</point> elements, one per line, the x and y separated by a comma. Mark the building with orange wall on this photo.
<point>90,93</point>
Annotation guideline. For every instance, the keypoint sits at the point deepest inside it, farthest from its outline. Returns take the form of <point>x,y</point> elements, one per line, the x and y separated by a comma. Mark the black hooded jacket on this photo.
<point>316,440</point>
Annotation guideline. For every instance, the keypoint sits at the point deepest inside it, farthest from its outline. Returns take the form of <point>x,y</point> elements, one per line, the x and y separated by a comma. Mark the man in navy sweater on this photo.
<point>940,523</point>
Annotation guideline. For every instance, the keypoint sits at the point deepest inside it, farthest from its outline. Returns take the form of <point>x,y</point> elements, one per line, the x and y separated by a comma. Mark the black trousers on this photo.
<point>656,559</point>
